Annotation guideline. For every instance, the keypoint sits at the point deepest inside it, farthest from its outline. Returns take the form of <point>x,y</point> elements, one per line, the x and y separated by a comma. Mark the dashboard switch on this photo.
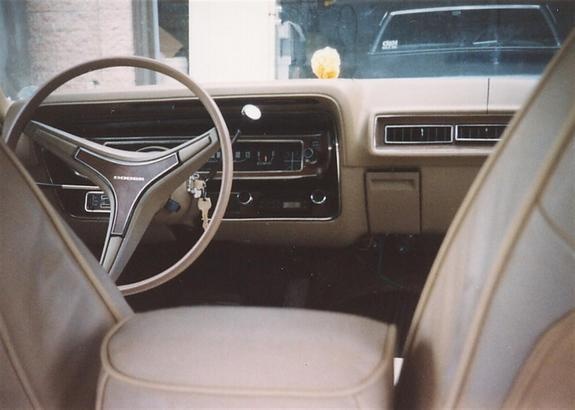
<point>310,155</point>
<point>96,201</point>
<point>318,197</point>
<point>172,206</point>
<point>245,198</point>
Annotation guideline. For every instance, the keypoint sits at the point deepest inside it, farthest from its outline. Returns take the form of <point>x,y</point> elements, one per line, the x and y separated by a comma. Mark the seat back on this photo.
<point>505,274</point>
<point>55,303</point>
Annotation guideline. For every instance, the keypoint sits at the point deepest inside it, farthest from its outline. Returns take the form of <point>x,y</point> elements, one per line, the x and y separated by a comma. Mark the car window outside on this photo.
<point>468,28</point>
<point>263,40</point>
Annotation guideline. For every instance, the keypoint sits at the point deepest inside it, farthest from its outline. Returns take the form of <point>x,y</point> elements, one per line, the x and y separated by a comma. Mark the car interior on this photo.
<point>303,243</point>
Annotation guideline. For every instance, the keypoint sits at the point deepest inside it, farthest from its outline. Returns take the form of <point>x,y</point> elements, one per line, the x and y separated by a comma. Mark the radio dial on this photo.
<point>318,197</point>
<point>245,198</point>
<point>310,155</point>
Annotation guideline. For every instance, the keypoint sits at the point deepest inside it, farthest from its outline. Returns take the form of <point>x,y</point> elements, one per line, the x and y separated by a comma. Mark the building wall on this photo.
<point>232,40</point>
<point>63,33</point>
<point>14,56</point>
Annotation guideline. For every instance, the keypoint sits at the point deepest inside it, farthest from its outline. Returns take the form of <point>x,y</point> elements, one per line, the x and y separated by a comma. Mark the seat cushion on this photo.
<point>251,357</point>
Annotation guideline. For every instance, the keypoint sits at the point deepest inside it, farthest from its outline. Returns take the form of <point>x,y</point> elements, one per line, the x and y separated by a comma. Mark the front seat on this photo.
<point>495,326</point>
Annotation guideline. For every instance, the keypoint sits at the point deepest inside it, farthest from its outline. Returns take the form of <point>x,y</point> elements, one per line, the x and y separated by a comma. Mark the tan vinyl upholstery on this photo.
<point>248,357</point>
<point>546,378</point>
<point>56,304</point>
<point>506,270</point>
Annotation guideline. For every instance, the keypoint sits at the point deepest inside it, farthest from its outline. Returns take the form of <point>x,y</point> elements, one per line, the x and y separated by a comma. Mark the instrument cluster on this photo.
<point>286,165</point>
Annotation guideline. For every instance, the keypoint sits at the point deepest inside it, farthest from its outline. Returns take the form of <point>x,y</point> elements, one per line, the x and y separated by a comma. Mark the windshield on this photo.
<point>263,40</point>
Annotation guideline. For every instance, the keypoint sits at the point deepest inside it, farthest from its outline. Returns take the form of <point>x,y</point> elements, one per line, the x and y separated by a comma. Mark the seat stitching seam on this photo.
<point>538,353</point>
<point>102,389</point>
<point>564,236</point>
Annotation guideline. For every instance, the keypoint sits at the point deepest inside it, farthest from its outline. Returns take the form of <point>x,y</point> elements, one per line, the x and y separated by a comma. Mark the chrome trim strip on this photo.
<point>469,7</point>
<point>281,219</point>
<point>338,169</point>
<point>67,186</point>
<point>255,177</point>
<point>140,140</point>
<point>477,139</point>
<point>386,127</point>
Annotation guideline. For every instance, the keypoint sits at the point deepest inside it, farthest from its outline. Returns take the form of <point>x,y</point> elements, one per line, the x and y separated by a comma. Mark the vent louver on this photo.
<point>418,134</point>
<point>479,133</point>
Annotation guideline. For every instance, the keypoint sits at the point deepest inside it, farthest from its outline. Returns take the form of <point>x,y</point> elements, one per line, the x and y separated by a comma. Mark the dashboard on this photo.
<point>285,165</point>
<point>328,162</point>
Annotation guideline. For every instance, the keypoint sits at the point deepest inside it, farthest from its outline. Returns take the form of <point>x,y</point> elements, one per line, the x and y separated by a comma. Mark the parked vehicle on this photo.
<point>463,40</point>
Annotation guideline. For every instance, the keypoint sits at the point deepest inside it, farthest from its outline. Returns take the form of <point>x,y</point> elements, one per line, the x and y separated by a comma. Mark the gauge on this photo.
<point>292,158</point>
<point>263,155</point>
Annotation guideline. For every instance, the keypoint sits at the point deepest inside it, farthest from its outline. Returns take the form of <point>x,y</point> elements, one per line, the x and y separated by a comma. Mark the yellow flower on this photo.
<point>325,63</point>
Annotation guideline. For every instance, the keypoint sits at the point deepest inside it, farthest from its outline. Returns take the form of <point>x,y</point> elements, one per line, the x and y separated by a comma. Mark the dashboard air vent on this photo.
<point>479,133</point>
<point>418,134</point>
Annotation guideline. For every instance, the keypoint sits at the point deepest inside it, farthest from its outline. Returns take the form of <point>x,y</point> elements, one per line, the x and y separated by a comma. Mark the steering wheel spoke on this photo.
<point>126,177</point>
<point>65,145</point>
<point>53,139</point>
<point>194,153</point>
<point>139,188</point>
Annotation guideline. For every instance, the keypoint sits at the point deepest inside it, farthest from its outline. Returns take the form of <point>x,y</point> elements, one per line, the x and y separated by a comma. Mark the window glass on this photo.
<point>468,28</point>
<point>219,41</point>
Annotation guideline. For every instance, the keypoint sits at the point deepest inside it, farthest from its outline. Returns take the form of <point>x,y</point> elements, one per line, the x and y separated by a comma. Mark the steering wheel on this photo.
<point>137,183</point>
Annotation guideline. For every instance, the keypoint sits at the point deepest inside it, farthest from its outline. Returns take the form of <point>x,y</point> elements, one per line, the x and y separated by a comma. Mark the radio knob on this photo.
<point>245,198</point>
<point>310,155</point>
<point>318,197</point>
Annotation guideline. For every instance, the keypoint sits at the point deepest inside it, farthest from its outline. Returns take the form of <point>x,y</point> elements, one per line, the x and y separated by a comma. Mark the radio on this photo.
<point>277,157</point>
<point>253,156</point>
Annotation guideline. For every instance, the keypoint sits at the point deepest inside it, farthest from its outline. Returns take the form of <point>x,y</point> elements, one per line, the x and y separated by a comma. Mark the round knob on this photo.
<point>245,198</point>
<point>318,197</point>
<point>251,112</point>
<point>310,155</point>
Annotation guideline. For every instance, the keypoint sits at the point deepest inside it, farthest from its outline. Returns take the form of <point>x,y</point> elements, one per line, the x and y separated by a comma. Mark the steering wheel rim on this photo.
<point>173,166</point>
